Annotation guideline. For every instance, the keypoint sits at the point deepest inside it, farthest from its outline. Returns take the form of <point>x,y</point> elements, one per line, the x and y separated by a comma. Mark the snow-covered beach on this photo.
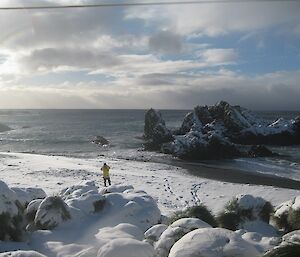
<point>118,231</point>
<point>172,187</point>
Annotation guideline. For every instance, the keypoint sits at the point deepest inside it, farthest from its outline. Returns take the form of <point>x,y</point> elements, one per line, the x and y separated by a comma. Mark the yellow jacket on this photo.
<point>105,170</point>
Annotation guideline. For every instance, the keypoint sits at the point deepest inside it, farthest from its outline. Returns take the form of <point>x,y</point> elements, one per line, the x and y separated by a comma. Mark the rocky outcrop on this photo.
<point>101,141</point>
<point>155,130</point>
<point>219,131</point>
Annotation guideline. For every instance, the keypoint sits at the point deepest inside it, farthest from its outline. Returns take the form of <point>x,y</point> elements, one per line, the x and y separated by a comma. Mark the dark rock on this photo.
<point>219,131</point>
<point>99,140</point>
<point>155,130</point>
<point>260,151</point>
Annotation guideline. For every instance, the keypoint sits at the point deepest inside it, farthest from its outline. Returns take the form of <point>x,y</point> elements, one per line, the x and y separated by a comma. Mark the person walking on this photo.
<point>105,171</point>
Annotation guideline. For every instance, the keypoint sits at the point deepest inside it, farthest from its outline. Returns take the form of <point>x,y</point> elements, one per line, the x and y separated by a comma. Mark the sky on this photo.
<point>165,57</point>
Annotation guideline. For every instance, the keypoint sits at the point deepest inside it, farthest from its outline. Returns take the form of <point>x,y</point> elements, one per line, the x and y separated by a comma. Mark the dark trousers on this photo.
<point>106,179</point>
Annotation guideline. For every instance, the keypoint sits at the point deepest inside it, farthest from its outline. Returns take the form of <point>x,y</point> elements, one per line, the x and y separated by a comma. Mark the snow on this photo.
<point>51,212</point>
<point>7,200</point>
<point>153,233</point>
<point>174,232</point>
<point>213,242</point>
<point>247,202</point>
<point>131,206</point>
<point>126,248</point>
<point>22,254</point>
<point>284,207</point>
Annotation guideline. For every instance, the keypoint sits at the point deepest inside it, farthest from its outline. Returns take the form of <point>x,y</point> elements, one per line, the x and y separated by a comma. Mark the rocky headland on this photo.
<point>219,131</point>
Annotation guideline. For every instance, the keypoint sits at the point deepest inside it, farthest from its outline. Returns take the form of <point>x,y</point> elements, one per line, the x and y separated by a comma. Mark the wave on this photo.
<point>4,128</point>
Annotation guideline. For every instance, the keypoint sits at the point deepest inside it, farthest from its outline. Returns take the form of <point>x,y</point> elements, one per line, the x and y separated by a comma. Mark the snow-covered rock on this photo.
<point>88,202</point>
<point>8,199</point>
<point>78,190</point>
<point>134,207</point>
<point>174,232</point>
<point>122,230</point>
<point>21,253</point>
<point>126,247</point>
<point>213,132</point>
<point>213,242</point>
<point>287,215</point>
<point>262,243</point>
<point>26,195</point>
<point>51,212</point>
<point>154,233</point>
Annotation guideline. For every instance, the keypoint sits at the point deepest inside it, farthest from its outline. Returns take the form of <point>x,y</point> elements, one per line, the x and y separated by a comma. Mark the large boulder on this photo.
<point>155,130</point>
<point>11,216</point>
<point>287,215</point>
<point>213,242</point>
<point>51,212</point>
<point>174,232</point>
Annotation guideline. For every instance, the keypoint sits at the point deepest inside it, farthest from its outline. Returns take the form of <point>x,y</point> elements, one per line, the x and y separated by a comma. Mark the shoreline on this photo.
<point>231,175</point>
<point>239,176</point>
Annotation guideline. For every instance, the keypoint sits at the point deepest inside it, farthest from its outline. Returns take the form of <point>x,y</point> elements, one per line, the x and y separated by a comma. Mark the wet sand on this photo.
<point>238,176</point>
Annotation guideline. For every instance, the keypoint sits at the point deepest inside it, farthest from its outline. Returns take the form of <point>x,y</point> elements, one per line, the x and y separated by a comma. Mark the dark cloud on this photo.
<point>165,42</point>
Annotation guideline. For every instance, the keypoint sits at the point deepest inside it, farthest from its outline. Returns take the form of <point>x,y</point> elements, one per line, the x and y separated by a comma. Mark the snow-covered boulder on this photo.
<point>26,195</point>
<point>287,215</point>
<point>262,243</point>
<point>126,247</point>
<point>155,130</point>
<point>10,214</point>
<point>134,207</point>
<point>249,213</point>
<point>174,232</point>
<point>78,190</point>
<point>153,234</point>
<point>8,200</point>
<point>122,230</point>
<point>88,202</point>
<point>122,240</point>
<point>289,246</point>
<point>213,242</point>
<point>22,253</point>
<point>51,212</point>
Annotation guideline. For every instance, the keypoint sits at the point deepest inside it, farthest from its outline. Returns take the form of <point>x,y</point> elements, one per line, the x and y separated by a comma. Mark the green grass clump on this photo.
<point>289,221</point>
<point>233,215</point>
<point>200,211</point>
<point>10,227</point>
<point>289,250</point>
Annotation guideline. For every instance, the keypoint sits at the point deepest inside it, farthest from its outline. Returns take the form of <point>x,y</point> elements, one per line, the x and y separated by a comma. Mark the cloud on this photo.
<point>269,91</point>
<point>219,19</point>
<point>166,42</point>
<point>219,56</point>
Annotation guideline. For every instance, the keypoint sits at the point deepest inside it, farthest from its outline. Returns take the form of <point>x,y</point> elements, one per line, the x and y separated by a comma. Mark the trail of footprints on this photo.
<point>195,200</point>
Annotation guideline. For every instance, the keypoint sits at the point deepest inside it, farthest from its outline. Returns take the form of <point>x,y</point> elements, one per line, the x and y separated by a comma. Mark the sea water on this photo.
<point>70,133</point>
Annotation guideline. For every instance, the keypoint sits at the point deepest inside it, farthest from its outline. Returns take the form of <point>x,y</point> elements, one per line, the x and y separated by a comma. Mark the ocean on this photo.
<point>70,133</point>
